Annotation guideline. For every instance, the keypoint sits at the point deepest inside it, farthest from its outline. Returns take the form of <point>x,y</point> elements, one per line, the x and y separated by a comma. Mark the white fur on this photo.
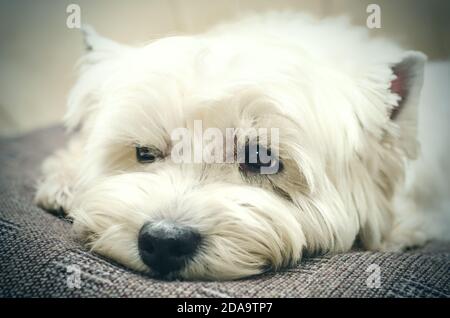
<point>324,84</point>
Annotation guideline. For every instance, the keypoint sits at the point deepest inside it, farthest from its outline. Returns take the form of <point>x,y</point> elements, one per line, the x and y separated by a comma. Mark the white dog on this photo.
<point>345,107</point>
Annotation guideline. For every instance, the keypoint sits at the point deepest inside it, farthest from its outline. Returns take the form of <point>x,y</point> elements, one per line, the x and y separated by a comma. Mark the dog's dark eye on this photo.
<point>259,160</point>
<point>145,154</point>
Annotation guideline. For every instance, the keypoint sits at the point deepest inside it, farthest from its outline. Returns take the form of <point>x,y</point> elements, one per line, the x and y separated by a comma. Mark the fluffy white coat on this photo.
<point>349,171</point>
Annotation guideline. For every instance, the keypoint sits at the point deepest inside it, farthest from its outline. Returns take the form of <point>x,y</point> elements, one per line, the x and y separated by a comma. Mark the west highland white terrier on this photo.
<point>330,112</point>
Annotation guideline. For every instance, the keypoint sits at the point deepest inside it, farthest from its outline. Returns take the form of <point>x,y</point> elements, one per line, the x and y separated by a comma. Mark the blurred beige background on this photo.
<point>38,52</point>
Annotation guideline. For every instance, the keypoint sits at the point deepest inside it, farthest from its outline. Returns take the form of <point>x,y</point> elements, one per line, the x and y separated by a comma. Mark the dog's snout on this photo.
<point>167,247</point>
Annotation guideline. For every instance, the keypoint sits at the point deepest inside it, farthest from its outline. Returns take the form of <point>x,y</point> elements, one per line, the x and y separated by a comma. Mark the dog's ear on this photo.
<point>405,86</point>
<point>94,67</point>
<point>94,42</point>
<point>407,83</point>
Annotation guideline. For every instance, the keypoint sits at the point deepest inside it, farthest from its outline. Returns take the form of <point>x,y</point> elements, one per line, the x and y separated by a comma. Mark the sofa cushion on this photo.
<point>38,251</point>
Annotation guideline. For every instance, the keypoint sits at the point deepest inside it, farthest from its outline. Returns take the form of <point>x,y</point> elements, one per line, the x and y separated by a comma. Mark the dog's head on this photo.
<point>336,123</point>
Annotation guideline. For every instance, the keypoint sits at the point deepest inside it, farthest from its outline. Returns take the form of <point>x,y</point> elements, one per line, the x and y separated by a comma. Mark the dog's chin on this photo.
<point>204,267</point>
<point>195,269</point>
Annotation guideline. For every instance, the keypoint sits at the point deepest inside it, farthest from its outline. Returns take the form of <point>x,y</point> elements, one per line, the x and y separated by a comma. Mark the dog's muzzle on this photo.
<point>167,247</point>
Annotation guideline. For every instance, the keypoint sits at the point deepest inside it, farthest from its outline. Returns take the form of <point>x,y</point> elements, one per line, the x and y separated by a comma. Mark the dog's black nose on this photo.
<point>166,247</point>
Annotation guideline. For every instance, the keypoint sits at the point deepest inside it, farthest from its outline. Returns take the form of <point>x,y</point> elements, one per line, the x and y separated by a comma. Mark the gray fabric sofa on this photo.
<point>36,249</point>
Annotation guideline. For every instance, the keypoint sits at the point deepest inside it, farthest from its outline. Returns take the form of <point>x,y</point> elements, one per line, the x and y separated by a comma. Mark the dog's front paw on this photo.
<point>53,195</point>
<point>403,238</point>
<point>54,190</point>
